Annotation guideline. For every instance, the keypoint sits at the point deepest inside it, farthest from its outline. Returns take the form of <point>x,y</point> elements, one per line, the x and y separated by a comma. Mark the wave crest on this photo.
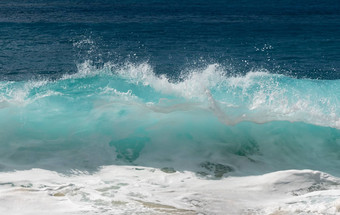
<point>258,96</point>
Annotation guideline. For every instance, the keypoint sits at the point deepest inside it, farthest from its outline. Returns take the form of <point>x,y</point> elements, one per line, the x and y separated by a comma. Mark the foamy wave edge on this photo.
<point>258,96</point>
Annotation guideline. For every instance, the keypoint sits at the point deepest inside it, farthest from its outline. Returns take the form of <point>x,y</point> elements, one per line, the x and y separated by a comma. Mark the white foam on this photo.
<point>194,84</point>
<point>85,69</point>
<point>144,190</point>
<point>18,93</point>
<point>262,96</point>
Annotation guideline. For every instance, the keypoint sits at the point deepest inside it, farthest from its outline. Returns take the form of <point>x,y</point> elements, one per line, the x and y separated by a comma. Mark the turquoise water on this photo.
<point>255,123</point>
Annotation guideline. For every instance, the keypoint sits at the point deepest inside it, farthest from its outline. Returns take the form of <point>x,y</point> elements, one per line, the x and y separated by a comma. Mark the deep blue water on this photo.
<point>252,86</point>
<point>300,38</point>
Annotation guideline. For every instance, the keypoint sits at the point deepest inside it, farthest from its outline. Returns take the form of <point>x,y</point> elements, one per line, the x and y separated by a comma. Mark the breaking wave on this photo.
<point>127,114</point>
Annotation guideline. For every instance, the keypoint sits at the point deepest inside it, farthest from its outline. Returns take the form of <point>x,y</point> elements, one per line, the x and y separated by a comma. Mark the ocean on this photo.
<point>170,107</point>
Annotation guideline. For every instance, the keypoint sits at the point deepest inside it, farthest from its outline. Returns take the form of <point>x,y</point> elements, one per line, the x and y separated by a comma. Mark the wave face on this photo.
<point>255,123</point>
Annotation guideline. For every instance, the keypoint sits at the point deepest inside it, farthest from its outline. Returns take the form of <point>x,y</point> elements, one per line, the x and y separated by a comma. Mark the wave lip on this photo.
<point>258,96</point>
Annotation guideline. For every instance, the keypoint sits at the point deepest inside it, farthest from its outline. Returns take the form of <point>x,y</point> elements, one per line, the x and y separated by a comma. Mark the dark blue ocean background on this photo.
<point>45,39</point>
